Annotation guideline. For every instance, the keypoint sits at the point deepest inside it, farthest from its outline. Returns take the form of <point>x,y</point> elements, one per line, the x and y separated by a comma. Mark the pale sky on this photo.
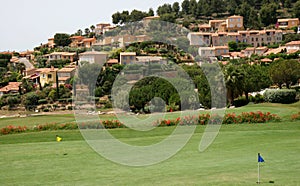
<point>26,24</point>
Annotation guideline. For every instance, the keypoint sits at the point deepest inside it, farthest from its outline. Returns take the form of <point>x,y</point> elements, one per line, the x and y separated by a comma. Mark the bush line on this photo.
<point>203,119</point>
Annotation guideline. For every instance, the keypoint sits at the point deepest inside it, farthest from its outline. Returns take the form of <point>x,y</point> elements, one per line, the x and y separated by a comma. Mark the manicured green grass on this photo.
<point>36,120</point>
<point>37,159</point>
<point>284,111</point>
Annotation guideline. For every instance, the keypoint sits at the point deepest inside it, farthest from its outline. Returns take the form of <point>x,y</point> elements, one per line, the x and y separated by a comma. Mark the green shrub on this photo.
<point>62,100</point>
<point>55,106</point>
<point>103,102</point>
<point>43,101</point>
<point>108,105</point>
<point>241,101</point>
<point>69,100</point>
<point>46,110</point>
<point>258,98</point>
<point>284,96</point>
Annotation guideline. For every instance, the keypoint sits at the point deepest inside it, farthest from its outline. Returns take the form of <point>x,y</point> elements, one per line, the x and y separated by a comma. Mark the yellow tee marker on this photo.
<point>58,139</point>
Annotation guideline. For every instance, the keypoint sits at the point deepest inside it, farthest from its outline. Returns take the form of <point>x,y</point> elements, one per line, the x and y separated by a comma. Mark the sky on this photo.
<point>26,24</point>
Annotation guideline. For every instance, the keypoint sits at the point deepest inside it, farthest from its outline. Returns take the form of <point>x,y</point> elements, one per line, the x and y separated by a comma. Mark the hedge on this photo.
<point>284,96</point>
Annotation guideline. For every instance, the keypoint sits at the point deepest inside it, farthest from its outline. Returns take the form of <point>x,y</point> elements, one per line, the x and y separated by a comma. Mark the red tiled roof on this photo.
<point>113,61</point>
<point>266,60</point>
<point>221,47</point>
<point>66,70</point>
<point>63,78</point>
<point>46,70</point>
<point>288,19</point>
<point>216,21</point>
<point>77,37</point>
<point>293,43</point>
<point>12,86</point>
<point>204,26</point>
<point>89,40</point>
<point>235,16</point>
<point>292,51</point>
<point>249,48</point>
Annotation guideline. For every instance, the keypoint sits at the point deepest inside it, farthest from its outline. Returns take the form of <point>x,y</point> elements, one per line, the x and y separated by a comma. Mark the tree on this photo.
<point>62,39</point>
<point>150,12</point>
<point>87,31</point>
<point>268,14</point>
<point>204,6</point>
<point>233,46</point>
<point>231,6</point>
<point>137,15</point>
<point>169,17</point>
<point>21,67</point>
<point>12,101</point>
<point>31,100</point>
<point>164,9</point>
<point>234,76</point>
<point>124,17</point>
<point>256,78</point>
<point>216,6</point>
<point>288,4</point>
<point>285,72</point>
<point>185,6</point>
<point>253,21</point>
<point>26,86</point>
<point>99,92</point>
<point>4,60</point>
<point>243,10</point>
<point>116,18</point>
<point>92,27</point>
<point>88,74</point>
<point>176,8</point>
<point>193,7</point>
<point>79,32</point>
<point>296,9</point>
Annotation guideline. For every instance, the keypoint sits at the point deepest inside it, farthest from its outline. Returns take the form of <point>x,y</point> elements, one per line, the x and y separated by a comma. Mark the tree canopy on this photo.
<point>285,72</point>
<point>62,39</point>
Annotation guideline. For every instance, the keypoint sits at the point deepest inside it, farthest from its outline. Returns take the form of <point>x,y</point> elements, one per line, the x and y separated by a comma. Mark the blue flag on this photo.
<point>260,159</point>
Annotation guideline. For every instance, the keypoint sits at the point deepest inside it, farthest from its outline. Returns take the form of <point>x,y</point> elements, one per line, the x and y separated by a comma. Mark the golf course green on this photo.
<point>35,158</point>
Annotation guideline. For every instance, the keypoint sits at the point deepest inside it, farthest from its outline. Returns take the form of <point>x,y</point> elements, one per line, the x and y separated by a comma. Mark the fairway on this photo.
<point>37,159</point>
<point>284,111</point>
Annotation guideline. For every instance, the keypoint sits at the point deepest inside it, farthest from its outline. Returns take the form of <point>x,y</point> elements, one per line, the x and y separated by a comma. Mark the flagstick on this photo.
<point>258,176</point>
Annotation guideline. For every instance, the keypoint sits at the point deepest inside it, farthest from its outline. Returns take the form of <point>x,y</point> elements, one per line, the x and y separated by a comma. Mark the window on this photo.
<point>49,76</point>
